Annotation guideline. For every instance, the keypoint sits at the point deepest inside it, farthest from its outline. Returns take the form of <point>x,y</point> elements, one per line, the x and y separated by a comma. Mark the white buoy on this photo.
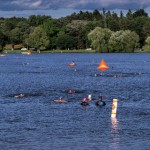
<point>114,108</point>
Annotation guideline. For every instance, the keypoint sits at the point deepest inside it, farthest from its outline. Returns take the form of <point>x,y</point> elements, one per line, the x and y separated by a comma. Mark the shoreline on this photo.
<point>60,51</point>
<point>47,51</point>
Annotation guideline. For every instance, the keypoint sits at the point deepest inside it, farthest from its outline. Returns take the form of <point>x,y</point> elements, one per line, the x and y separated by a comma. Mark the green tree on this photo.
<point>139,24</point>
<point>6,27</point>
<point>121,15</point>
<point>51,28</point>
<point>99,38</point>
<point>148,41</point>
<point>15,35</point>
<point>75,29</point>
<point>64,41</point>
<point>2,40</point>
<point>146,47</point>
<point>97,15</point>
<point>129,15</point>
<point>38,39</point>
<point>24,31</point>
<point>91,25</point>
<point>146,28</point>
<point>34,20</point>
<point>139,13</point>
<point>123,41</point>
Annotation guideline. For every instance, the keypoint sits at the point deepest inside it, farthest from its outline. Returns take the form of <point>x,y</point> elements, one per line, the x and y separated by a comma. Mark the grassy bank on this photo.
<point>51,51</point>
<point>68,51</point>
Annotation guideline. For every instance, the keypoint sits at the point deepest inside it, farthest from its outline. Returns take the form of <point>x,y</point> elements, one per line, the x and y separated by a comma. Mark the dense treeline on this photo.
<point>106,31</point>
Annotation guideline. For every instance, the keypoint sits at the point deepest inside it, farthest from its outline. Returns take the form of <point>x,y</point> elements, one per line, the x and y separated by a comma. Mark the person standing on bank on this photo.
<point>100,102</point>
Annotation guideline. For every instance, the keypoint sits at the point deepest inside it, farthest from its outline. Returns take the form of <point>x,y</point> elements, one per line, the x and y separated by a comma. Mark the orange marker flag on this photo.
<point>102,66</point>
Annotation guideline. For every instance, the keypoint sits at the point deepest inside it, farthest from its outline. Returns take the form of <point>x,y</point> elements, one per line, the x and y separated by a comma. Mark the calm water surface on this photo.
<point>35,122</point>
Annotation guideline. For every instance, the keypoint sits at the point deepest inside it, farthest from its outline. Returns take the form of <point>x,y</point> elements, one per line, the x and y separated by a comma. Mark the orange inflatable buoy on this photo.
<point>102,66</point>
<point>60,101</point>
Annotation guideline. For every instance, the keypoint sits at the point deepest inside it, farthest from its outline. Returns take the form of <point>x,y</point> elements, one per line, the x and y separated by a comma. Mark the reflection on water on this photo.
<point>114,123</point>
<point>114,134</point>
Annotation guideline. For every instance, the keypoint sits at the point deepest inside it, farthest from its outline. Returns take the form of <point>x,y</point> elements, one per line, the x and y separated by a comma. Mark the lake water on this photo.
<point>35,122</point>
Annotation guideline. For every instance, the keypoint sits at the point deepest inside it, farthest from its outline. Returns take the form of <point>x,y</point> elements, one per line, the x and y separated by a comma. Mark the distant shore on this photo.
<point>59,51</point>
<point>50,51</point>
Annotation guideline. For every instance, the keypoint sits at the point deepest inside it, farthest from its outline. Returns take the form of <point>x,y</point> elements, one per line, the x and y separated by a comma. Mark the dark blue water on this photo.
<point>35,122</point>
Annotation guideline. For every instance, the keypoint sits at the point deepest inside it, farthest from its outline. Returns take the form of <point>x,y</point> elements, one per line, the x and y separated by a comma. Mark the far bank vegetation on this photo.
<point>103,32</point>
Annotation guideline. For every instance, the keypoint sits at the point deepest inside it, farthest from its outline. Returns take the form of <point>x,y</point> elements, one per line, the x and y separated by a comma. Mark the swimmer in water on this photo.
<point>20,96</point>
<point>89,97</point>
<point>84,102</point>
<point>100,102</point>
<point>70,91</point>
<point>73,62</point>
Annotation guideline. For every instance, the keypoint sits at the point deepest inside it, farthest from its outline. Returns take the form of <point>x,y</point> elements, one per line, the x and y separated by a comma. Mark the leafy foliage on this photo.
<point>38,39</point>
<point>123,41</point>
<point>99,38</point>
<point>100,29</point>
